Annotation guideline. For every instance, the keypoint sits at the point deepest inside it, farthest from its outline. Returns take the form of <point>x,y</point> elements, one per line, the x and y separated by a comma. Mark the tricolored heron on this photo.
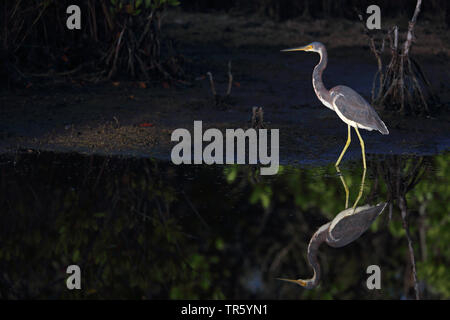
<point>347,103</point>
<point>346,227</point>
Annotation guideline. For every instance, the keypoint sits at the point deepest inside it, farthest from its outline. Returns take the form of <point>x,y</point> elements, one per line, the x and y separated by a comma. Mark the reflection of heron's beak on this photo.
<point>300,282</point>
<point>304,48</point>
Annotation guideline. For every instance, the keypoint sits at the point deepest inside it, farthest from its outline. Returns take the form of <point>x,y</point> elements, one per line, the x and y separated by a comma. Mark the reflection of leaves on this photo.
<point>76,256</point>
<point>428,203</point>
<point>220,245</point>
<point>437,275</point>
<point>396,229</point>
<point>231,173</point>
<point>262,194</point>
<point>136,238</point>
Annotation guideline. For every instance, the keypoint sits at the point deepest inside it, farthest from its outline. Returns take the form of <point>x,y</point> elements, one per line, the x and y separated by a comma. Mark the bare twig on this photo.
<point>32,25</point>
<point>51,74</point>
<point>194,210</point>
<point>395,38</point>
<point>404,214</point>
<point>146,29</point>
<point>399,181</point>
<point>211,81</point>
<point>377,53</point>
<point>257,118</point>
<point>281,254</point>
<point>107,15</point>
<point>142,65</point>
<point>113,69</point>
<point>230,79</point>
<point>410,34</point>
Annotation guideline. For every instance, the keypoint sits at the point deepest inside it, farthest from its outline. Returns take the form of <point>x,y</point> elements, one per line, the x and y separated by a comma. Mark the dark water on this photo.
<point>141,228</point>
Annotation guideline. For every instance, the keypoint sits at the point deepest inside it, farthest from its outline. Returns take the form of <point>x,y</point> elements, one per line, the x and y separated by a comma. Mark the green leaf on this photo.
<point>62,230</point>
<point>220,245</point>
<point>265,200</point>
<point>231,173</point>
<point>76,255</point>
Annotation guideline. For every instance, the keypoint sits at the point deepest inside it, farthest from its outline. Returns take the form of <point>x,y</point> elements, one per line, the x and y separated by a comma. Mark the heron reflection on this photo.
<point>345,228</point>
<point>361,187</point>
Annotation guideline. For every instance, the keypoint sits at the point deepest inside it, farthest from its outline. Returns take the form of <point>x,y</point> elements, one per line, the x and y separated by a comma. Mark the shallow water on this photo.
<point>141,228</point>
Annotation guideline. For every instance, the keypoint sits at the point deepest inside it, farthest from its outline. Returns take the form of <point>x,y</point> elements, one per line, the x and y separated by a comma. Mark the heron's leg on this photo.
<point>349,139</point>
<point>361,188</point>
<point>341,176</point>
<point>362,147</point>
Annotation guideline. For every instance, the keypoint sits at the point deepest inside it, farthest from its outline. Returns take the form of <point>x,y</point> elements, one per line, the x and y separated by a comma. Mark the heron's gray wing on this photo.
<point>355,108</point>
<point>349,226</point>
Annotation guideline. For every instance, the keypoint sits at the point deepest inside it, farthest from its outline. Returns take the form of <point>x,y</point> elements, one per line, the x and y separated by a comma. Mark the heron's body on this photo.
<point>350,107</point>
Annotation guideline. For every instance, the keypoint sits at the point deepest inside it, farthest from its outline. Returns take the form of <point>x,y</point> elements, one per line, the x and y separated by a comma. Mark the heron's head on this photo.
<point>313,46</point>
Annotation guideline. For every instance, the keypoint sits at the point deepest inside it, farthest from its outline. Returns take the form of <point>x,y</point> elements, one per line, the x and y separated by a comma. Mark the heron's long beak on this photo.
<point>300,282</point>
<point>304,48</point>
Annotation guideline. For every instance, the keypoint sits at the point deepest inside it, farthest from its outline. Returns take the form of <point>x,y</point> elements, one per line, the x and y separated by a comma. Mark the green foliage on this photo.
<point>136,7</point>
<point>431,197</point>
<point>231,173</point>
<point>261,194</point>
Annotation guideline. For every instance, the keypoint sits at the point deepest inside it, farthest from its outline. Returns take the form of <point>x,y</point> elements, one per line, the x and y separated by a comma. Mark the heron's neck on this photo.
<point>322,93</point>
<point>319,236</point>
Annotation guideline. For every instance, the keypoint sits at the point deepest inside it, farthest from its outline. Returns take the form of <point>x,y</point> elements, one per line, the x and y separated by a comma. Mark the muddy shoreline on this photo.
<point>121,118</point>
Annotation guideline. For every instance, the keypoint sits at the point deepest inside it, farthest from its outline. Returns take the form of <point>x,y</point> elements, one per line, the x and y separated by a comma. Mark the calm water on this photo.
<point>141,228</point>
